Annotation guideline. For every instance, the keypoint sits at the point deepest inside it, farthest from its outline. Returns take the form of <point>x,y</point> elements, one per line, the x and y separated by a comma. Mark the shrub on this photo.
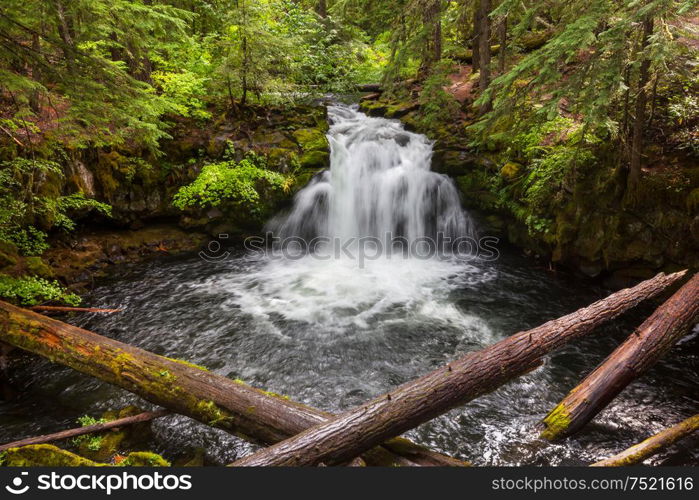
<point>30,290</point>
<point>231,183</point>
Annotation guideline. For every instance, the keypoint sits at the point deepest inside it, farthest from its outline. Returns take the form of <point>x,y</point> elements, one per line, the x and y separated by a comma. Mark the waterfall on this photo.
<point>379,185</point>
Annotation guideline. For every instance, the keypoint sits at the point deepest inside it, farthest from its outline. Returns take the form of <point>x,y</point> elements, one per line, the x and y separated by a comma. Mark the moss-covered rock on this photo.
<point>315,150</point>
<point>7,259</point>
<point>37,267</point>
<point>143,459</point>
<point>44,455</point>
<point>511,170</point>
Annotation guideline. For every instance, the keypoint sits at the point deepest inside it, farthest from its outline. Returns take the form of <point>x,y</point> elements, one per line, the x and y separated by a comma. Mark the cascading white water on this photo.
<point>379,184</point>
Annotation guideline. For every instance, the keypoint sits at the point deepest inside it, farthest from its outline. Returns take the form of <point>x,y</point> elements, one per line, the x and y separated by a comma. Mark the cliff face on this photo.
<point>140,187</point>
<point>585,225</point>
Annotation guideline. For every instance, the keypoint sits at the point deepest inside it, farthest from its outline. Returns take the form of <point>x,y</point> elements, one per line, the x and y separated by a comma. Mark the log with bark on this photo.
<point>529,42</point>
<point>253,414</point>
<point>644,347</point>
<point>654,444</point>
<point>462,380</point>
<point>145,416</point>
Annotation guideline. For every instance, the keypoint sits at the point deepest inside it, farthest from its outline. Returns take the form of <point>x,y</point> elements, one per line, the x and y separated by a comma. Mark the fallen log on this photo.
<point>73,309</point>
<point>370,87</point>
<point>462,380</point>
<point>530,41</point>
<point>146,416</point>
<point>643,348</point>
<point>255,415</point>
<point>654,444</point>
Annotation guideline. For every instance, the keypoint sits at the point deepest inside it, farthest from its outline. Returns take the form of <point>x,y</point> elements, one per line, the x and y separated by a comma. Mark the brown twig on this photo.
<point>146,416</point>
<point>73,309</point>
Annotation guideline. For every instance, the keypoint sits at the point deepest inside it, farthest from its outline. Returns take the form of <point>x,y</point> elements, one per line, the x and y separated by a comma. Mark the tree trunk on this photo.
<point>34,73</point>
<point>484,50</point>
<point>638,453</point>
<point>639,122</point>
<point>476,40</point>
<point>646,345</point>
<point>438,35</point>
<point>146,416</point>
<point>64,32</point>
<point>258,416</point>
<point>502,42</point>
<point>322,8</point>
<point>462,380</point>
<point>432,23</point>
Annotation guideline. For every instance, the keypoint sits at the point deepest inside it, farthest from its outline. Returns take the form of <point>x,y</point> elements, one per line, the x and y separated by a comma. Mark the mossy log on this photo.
<point>462,380</point>
<point>255,415</point>
<point>654,444</point>
<point>47,455</point>
<point>644,347</point>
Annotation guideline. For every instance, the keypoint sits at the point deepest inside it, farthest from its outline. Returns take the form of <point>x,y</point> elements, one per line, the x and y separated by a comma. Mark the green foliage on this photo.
<point>437,106</point>
<point>87,420</point>
<point>24,206</point>
<point>29,240</point>
<point>30,290</point>
<point>185,91</point>
<point>92,442</point>
<point>230,183</point>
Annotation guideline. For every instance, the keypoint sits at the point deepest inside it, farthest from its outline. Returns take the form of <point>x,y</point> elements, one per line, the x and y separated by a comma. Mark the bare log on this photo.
<point>654,444</point>
<point>146,416</point>
<point>253,414</point>
<point>644,347</point>
<point>73,309</point>
<point>460,381</point>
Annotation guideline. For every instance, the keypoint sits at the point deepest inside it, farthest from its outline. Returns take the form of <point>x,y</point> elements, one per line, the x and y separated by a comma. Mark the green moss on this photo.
<point>311,139</point>
<point>187,363</point>
<point>314,159</point>
<point>45,455</point>
<point>557,423</point>
<point>276,395</point>
<point>144,459</point>
<point>211,413</point>
<point>7,260</point>
<point>37,267</point>
<point>511,170</point>
<point>8,247</point>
